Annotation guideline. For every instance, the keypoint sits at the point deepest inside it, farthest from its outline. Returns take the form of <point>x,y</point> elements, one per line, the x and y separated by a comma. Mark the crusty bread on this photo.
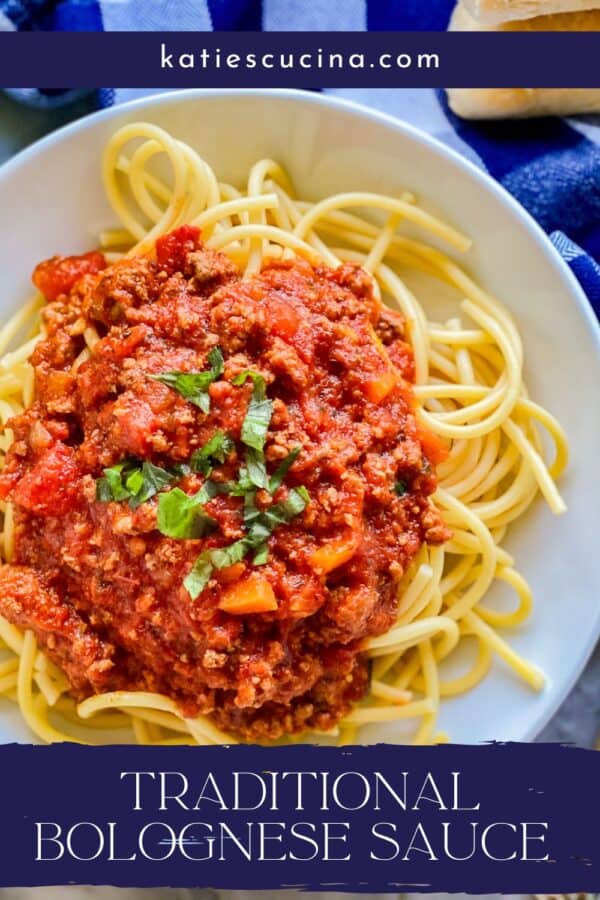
<point>499,103</point>
<point>492,12</point>
<point>462,20</point>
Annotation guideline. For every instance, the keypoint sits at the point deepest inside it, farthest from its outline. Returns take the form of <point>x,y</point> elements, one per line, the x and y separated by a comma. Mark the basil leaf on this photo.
<point>256,423</point>
<point>219,558</point>
<point>193,386</point>
<point>400,488</point>
<point>262,555</point>
<point>260,410</point>
<point>150,481</point>
<point>216,361</point>
<point>216,450</point>
<point>259,382</point>
<point>256,468</point>
<point>258,533</point>
<point>110,487</point>
<point>243,485</point>
<point>283,468</point>
<point>103,491</point>
<point>198,578</point>
<point>259,525</point>
<point>223,557</point>
<point>182,516</point>
<point>133,481</point>
<point>284,512</point>
<point>251,511</point>
<point>212,488</point>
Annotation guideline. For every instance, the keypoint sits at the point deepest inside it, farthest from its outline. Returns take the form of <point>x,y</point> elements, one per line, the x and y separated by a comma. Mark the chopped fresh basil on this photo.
<point>256,423</point>
<point>193,386</point>
<point>199,576</point>
<point>400,488</point>
<point>111,487</point>
<point>257,380</point>
<point>153,479</point>
<point>281,513</point>
<point>282,469</point>
<point>133,481</point>
<point>256,468</point>
<point>182,516</point>
<point>242,486</point>
<point>258,534</point>
<point>229,556</point>
<point>261,555</point>
<point>260,410</point>
<point>251,511</point>
<point>259,525</point>
<point>216,450</point>
<point>208,561</point>
<point>212,488</point>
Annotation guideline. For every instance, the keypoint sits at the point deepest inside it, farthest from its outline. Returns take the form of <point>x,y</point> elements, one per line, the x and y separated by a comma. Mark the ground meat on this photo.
<point>99,583</point>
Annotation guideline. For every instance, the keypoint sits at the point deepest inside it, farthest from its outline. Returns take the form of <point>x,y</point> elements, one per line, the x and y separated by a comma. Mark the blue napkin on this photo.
<point>226,15</point>
<point>551,166</point>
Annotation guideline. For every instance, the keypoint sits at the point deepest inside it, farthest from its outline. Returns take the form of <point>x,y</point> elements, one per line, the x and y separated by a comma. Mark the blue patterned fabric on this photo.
<point>551,166</point>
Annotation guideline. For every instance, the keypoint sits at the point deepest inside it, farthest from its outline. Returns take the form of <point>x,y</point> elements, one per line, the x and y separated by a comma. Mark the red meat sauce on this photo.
<point>99,584</point>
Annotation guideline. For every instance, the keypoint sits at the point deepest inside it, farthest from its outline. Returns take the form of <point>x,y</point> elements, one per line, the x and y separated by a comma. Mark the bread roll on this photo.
<point>499,103</point>
<point>492,12</point>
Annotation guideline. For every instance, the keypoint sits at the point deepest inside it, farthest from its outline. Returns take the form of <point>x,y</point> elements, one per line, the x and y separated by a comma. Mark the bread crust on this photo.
<point>589,20</point>
<point>501,103</point>
<point>494,12</point>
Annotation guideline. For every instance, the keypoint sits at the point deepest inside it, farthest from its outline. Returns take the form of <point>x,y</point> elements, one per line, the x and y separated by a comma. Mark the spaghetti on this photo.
<point>469,390</point>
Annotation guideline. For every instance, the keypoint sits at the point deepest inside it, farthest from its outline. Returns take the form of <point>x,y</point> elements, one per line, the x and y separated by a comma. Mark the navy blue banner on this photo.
<point>512,818</point>
<point>299,59</point>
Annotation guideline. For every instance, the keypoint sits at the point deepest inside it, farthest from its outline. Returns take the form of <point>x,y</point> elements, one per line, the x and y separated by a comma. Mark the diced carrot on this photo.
<point>434,448</point>
<point>230,573</point>
<point>376,389</point>
<point>253,594</point>
<point>334,553</point>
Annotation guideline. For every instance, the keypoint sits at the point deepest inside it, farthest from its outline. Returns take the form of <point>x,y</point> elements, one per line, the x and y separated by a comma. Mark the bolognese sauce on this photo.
<point>219,485</point>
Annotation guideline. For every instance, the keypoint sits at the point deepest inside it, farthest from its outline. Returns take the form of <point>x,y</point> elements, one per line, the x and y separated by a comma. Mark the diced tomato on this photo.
<point>8,482</point>
<point>58,275</point>
<point>52,485</point>
<point>284,321</point>
<point>135,424</point>
<point>172,248</point>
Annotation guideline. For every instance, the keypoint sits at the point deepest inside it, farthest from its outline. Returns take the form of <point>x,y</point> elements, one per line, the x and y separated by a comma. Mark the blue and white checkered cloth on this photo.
<point>552,166</point>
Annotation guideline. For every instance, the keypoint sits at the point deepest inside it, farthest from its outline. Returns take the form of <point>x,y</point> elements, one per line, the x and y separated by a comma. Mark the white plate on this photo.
<point>54,194</point>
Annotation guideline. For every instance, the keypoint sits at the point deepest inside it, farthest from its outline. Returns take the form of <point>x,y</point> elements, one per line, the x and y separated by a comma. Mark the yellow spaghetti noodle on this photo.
<point>469,390</point>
